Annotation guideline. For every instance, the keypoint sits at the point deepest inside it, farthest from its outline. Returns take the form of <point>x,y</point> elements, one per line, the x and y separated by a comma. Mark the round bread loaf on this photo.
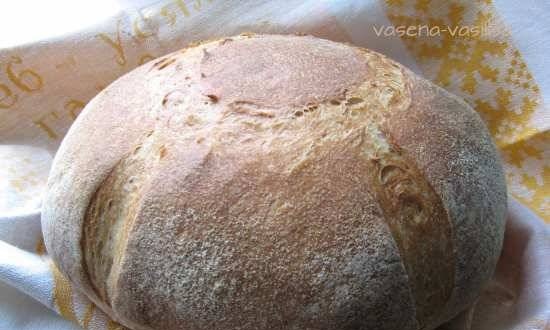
<point>276,182</point>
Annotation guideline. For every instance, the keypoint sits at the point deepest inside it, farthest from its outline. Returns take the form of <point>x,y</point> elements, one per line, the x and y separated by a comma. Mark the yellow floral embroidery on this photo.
<point>487,71</point>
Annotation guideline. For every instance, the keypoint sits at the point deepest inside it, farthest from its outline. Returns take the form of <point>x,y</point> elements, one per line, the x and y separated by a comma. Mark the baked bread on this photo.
<point>276,182</point>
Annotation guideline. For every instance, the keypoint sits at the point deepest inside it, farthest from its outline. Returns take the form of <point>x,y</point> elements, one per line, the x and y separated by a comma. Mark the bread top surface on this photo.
<point>255,181</point>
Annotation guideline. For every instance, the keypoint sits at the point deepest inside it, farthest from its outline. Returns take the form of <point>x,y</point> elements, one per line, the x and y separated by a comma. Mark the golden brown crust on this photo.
<point>290,73</point>
<point>413,210</point>
<point>461,163</point>
<point>289,183</point>
<point>110,215</point>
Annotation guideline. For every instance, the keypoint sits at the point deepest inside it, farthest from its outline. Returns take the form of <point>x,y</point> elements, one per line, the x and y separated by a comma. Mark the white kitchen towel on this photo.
<point>492,55</point>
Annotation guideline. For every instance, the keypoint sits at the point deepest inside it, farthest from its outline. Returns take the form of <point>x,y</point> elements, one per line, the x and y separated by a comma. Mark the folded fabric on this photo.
<point>492,55</point>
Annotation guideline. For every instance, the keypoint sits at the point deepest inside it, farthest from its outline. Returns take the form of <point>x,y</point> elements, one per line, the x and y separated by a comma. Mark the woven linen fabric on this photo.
<point>493,55</point>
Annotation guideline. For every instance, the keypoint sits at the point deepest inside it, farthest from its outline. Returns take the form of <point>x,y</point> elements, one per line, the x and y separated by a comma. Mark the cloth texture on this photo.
<point>493,55</point>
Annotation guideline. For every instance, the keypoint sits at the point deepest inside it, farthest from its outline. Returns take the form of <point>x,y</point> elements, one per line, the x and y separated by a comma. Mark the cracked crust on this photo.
<point>276,182</point>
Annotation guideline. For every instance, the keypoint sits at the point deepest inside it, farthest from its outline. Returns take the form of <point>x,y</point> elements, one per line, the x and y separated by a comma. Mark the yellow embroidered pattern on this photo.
<point>486,70</point>
<point>63,295</point>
